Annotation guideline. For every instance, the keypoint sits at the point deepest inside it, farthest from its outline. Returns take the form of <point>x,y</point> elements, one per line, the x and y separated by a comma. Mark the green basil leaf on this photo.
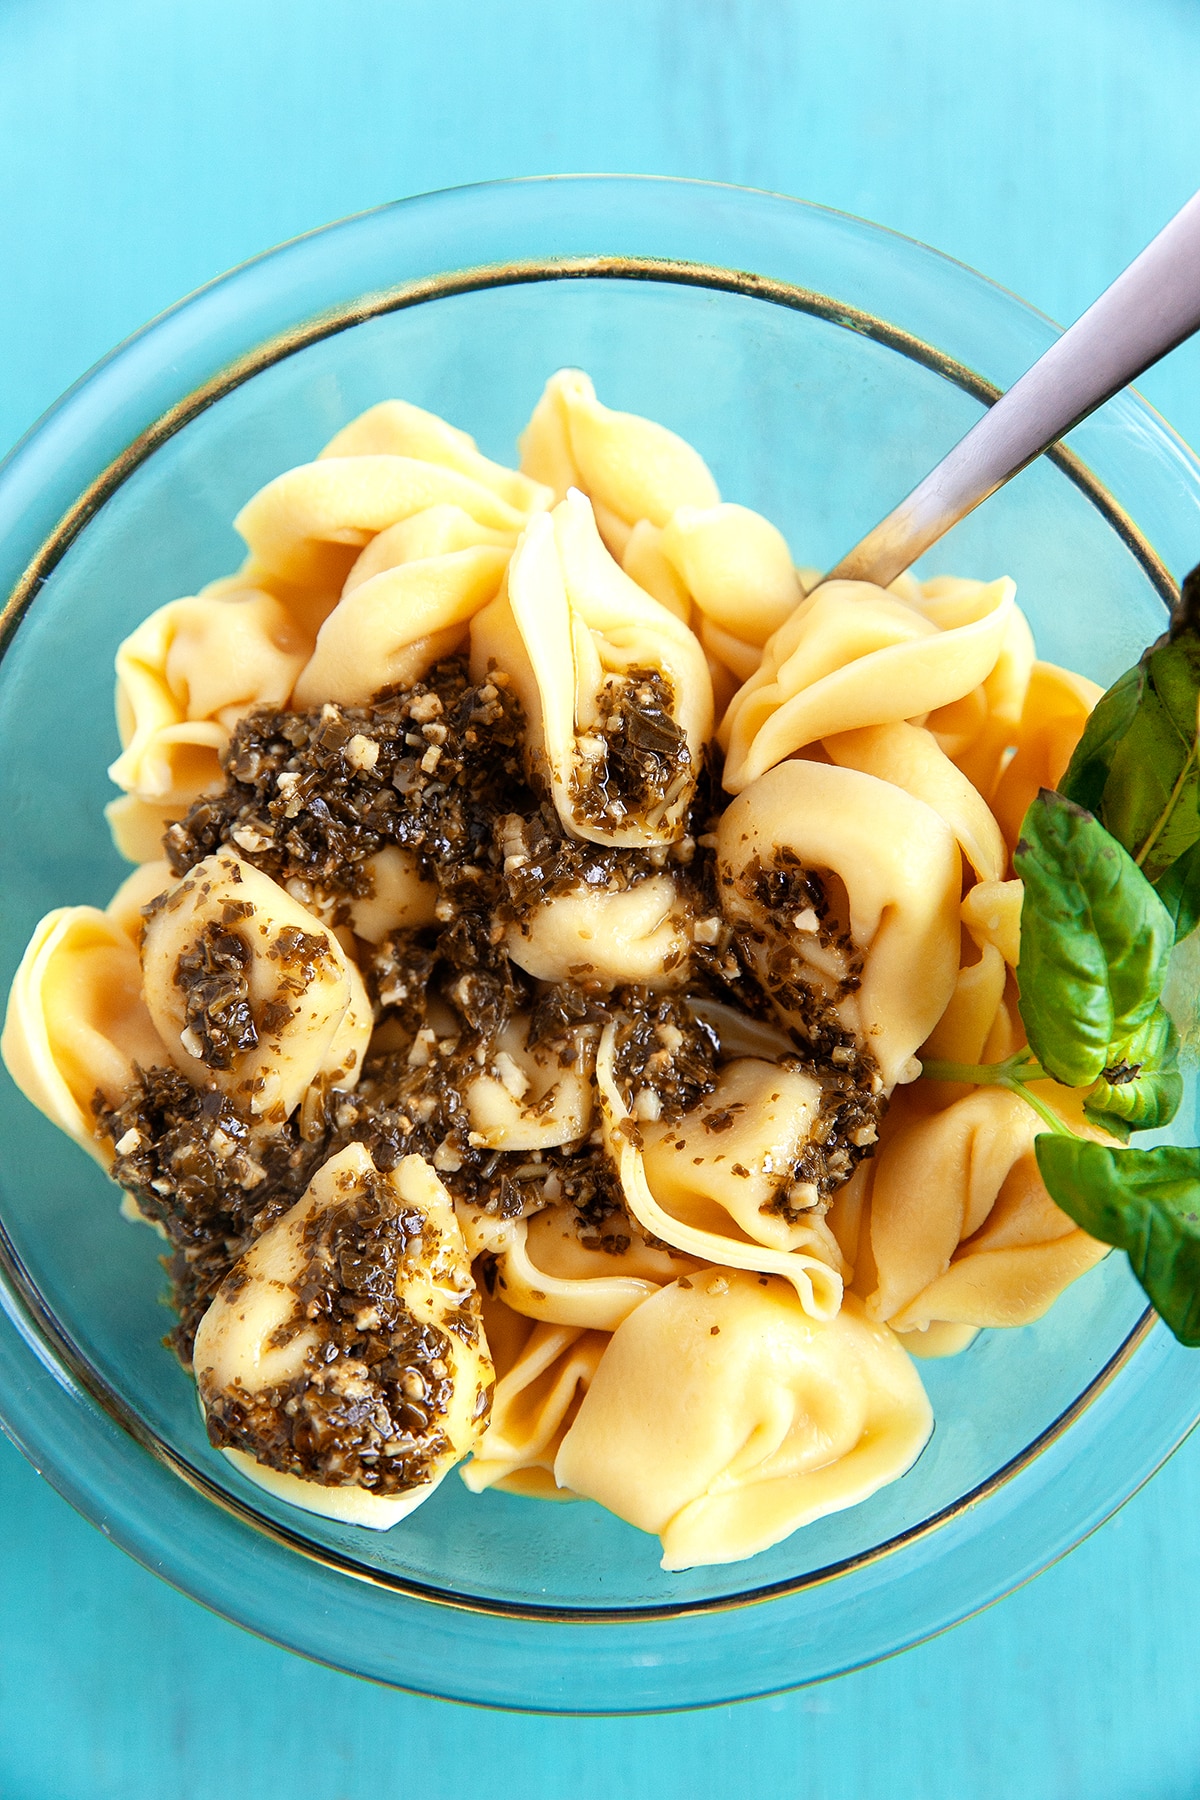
<point>1095,939</point>
<point>1179,891</point>
<point>1114,713</point>
<point>1147,1203</point>
<point>1150,798</point>
<point>1137,765</point>
<point>1142,1087</point>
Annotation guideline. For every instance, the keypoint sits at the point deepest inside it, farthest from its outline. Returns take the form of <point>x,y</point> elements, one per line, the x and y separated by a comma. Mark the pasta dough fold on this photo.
<point>542,1374</point>
<point>851,655</point>
<point>545,1271</point>
<point>407,602</point>
<point>811,1266</point>
<point>76,1022</point>
<point>722,1416</point>
<point>629,467</point>
<point>616,691</point>
<point>184,679</point>
<point>962,1229</point>
<point>883,975</point>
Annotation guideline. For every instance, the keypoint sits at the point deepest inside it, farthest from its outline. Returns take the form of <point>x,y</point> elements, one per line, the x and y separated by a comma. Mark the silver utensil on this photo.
<point>1147,311</point>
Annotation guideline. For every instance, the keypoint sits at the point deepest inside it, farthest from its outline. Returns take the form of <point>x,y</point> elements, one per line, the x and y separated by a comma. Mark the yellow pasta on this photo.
<point>722,1417</point>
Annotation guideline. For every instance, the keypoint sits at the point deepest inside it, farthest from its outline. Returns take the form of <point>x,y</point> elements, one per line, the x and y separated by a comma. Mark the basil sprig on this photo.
<point>1095,943</point>
<point>1147,1203</point>
<point>1137,765</point>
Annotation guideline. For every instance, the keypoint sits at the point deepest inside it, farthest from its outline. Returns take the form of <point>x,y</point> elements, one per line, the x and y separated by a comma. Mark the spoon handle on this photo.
<point>1149,309</point>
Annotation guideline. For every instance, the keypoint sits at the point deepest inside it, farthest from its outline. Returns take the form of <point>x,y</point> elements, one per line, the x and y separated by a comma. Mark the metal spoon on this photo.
<point>1149,309</point>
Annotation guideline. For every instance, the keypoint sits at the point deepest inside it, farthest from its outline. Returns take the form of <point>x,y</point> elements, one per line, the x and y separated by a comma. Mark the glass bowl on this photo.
<point>821,365</point>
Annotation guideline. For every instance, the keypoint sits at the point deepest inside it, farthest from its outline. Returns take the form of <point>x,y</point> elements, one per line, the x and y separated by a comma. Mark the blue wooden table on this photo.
<point>144,147</point>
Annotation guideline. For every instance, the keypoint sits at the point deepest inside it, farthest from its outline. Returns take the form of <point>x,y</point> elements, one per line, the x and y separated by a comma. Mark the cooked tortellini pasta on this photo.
<point>871,973</point>
<point>723,1416</point>
<point>635,934</point>
<point>342,1364</point>
<point>248,992</point>
<point>852,654</point>
<point>629,467</point>
<point>963,1231</point>
<point>549,900</point>
<point>185,677</point>
<point>616,688</point>
<point>407,602</point>
<point>542,1374</point>
<point>546,1270</point>
<point>76,1019</point>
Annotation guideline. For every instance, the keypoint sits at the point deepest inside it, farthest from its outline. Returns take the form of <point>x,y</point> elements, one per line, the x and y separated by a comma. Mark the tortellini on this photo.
<point>545,1270</point>
<point>303,528</point>
<point>342,1365</point>
<point>408,601</point>
<point>910,757</point>
<point>76,1021</point>
<point>881,976</point>
<point>616,689</point>
<point>1056,708</point>
<point>249,992</point>
<point>639,933</point>
<point>542,1374</point>
<point>853,654</point>
<point>813,1262</point>
<point>629,467</point>
<point>737,569</point>
<point>739,1157</point>
<point>722,1416</point>
<point>185,677</point>
<point>530,1097</point>
<point>962,1229</point>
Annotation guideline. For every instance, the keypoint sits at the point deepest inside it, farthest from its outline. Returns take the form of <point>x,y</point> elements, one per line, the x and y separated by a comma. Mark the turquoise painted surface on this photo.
<point>143,148</point>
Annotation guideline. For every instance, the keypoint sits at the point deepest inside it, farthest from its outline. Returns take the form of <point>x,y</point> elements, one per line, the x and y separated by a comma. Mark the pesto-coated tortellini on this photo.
<point>812,1263</point>
<point>76,1022</point>
<point>542,1374</point>
<point>962,1228</point>
<point>407,602</point>
<point>722,1416</point>
<point>342,1365</point>
<point>500,1087</point>
<point>184,679</point>
<point>845,891</point>
<point>852,654</point>
<point>249,992</point>
<point>751,1154</point>
<point>615,688</point>
<point>634,934</point>
<point>530,1097</point>
<point>629,467</point>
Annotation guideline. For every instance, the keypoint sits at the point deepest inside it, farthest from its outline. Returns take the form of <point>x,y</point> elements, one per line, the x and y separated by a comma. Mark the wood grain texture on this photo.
<point>144,148</point>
